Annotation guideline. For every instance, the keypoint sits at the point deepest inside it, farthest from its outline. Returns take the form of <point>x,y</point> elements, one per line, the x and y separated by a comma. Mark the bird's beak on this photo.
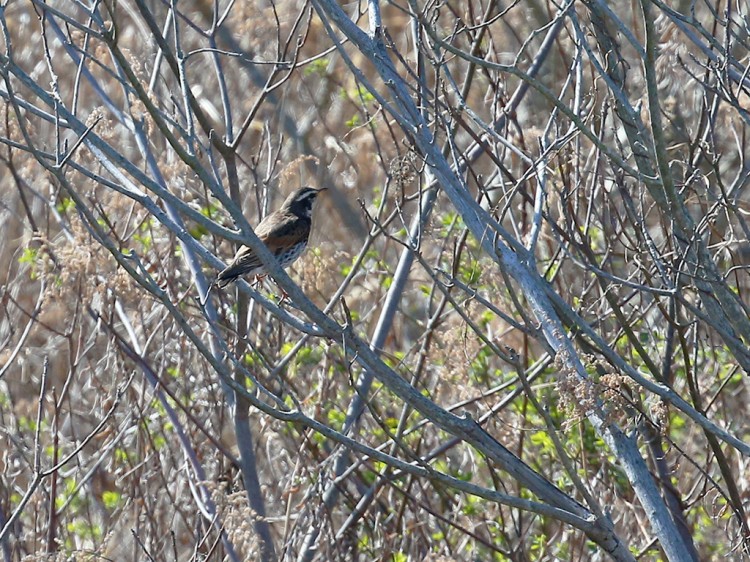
<point>322,189</point>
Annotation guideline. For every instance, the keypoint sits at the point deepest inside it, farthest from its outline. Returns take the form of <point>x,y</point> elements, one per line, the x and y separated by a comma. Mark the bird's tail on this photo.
<point>230,274</point>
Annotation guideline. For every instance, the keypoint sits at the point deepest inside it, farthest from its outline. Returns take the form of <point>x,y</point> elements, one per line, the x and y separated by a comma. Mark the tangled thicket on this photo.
<point>520,331</point>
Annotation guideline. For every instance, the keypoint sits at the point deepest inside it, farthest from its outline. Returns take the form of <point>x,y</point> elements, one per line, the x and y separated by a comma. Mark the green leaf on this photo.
<point>29,255</point>
<point>353,122</point>
<point>111,499</point>
<point>319,67</point>
<point>65,205</point>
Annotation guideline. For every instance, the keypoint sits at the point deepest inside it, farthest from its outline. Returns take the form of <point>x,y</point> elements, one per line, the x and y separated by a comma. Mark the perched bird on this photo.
<point>284,232</point>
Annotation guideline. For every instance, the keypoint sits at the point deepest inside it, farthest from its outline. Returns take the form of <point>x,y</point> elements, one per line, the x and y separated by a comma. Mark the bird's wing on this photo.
<point>244,262</point>
<point>245,257</point>
<point>287,236</point>
<point>278,233</point>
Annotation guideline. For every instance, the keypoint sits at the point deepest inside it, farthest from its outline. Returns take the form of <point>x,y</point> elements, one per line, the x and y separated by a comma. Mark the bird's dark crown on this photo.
<point>301,201</point>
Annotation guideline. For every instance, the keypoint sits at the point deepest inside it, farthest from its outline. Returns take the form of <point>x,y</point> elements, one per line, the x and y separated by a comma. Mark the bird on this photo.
<point>285,233</point>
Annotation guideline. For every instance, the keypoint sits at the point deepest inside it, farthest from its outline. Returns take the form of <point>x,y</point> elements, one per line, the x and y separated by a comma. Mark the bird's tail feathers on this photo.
<point>229,275</point>
<point>223,282</point>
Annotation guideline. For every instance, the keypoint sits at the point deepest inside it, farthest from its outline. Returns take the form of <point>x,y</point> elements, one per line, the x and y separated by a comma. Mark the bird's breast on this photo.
<point>292,253</point>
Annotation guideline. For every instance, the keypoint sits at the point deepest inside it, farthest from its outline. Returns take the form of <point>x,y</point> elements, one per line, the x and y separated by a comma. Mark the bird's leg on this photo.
<point>260,278</point>
<point>284,296</point>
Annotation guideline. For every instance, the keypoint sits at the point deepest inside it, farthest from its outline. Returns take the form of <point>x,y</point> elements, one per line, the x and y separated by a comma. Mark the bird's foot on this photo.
<point>284,297</point>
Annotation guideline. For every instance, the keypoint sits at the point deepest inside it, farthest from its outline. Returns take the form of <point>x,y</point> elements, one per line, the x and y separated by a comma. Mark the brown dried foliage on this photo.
<point>129,494</point>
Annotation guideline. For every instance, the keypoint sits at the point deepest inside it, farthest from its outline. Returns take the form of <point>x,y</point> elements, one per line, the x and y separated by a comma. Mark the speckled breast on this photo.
<point>289,256</point>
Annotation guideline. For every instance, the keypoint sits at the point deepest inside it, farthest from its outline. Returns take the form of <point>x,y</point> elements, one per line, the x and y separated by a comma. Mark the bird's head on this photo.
<point>301,201</point>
